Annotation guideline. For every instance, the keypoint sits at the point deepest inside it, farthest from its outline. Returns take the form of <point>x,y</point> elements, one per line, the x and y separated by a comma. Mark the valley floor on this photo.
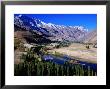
<point>79,52</point>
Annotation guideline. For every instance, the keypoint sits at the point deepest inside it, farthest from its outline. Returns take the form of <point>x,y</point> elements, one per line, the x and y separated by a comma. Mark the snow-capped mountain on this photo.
<point>50,30</point>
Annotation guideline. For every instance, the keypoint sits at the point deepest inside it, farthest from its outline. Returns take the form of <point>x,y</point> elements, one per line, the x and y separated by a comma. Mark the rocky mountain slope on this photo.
<point>52,31</point>
<point>91,37</point>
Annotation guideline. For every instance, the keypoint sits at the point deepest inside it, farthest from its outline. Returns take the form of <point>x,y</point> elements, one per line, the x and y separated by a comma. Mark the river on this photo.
<point>61,60</point>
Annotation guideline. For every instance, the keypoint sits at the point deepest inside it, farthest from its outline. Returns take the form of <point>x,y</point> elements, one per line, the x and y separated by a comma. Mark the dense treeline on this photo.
<point>50,69</point>
<point>34,66</point>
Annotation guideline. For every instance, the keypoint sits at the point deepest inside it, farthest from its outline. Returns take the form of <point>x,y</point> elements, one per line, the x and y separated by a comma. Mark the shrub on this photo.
<point>87,46</point>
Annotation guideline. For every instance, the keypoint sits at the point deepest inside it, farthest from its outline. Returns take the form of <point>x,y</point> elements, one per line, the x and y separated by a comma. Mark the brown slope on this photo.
<point>91,37</point>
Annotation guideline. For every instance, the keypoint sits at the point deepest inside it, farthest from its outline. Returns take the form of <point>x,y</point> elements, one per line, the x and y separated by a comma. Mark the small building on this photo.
<point>54,44</point>
<point>28,45</point>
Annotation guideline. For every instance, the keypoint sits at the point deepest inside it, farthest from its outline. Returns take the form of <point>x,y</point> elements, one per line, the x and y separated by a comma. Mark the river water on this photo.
<point>61,60</point>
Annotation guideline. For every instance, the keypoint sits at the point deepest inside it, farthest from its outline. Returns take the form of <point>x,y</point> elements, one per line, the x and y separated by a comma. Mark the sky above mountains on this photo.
<point>89,21</point>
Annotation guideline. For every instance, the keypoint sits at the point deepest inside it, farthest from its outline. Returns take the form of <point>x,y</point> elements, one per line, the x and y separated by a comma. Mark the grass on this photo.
<point>57,54</point>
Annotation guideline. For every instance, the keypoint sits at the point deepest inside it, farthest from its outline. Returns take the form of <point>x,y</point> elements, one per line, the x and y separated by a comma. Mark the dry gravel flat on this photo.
<point>80,52</point>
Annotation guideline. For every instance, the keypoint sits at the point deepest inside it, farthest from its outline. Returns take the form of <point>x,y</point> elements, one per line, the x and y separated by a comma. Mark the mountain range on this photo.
<point>35,28</point>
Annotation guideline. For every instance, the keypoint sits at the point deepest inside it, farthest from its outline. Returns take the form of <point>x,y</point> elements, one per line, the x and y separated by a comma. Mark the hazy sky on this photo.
<point>89,21</point>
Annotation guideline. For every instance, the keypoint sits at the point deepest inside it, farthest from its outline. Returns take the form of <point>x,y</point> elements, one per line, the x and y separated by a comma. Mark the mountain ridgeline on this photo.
<point>34,30</point>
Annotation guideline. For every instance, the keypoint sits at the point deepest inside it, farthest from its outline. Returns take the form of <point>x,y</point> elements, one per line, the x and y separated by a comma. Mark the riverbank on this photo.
<point>38,61</point>
<point>78,51</point>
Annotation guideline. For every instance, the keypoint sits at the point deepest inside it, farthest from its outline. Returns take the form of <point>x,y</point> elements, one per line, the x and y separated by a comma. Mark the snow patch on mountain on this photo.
<point>58,32</point>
